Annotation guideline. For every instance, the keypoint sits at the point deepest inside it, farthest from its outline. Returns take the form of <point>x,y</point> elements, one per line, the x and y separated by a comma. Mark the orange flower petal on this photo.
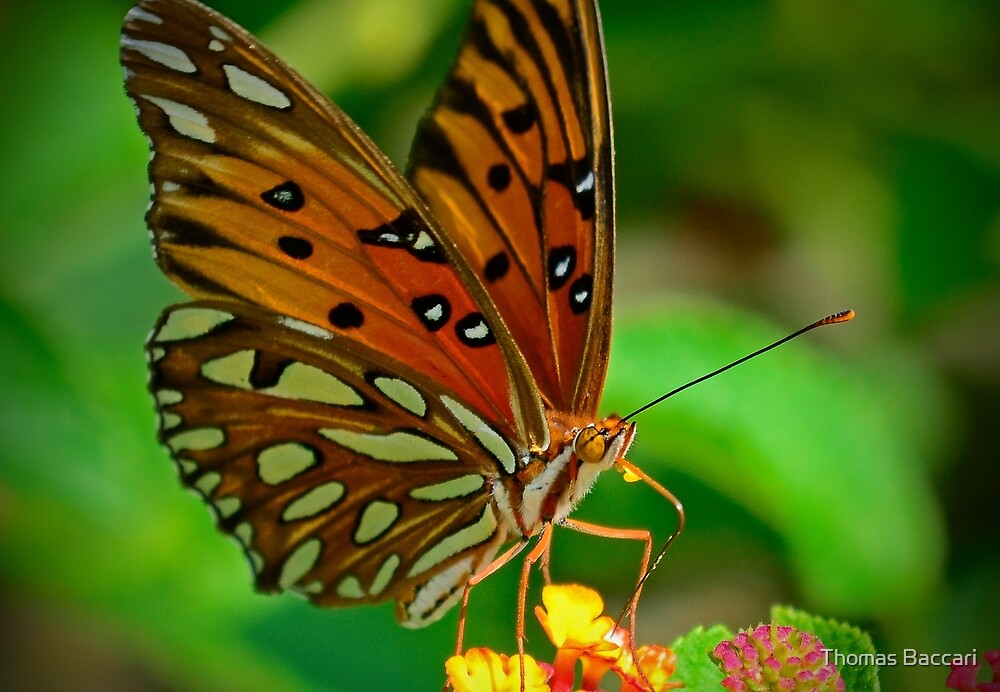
<point>657,662</point>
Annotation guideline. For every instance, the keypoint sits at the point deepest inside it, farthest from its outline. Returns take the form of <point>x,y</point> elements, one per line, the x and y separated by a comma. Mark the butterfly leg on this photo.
<point>544,563</point>
<point>539,552</point>
<point>621,534</point>
<point>643,535</point>
<point>497,563</point>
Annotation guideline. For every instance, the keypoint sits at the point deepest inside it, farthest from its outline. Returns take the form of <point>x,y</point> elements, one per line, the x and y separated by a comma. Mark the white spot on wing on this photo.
<point>560,269</point>
<point>314,501</point>
<point>350,587</point>
<point>228,506</point>
<point>403,393</point>
<point>385,574</point>
<point>376,518</point>
<point>434,314</point>
<point>297,381</point>
<point>220,34</point>
<point>283,462</point>
<point>396,446</point>
<point>216,45</point>
<point>168,397</point>
<point>142,15</point>
<point>423,241</point>
<point>232,370</point>
<point>586,184</point>
<point>185,119</point>
<point>162,53</point>
<point>169,420</point>
<point>449,490</point>
<point>190,323</point>
<point>208,482</point>
<point>298,564</point>
<point>487,436</point>
<point>244,533</point>
<point>478,332</point>
<point>305,327</point>
<point>196,439</point>
<point>301,381</point>
<point>253,88</point>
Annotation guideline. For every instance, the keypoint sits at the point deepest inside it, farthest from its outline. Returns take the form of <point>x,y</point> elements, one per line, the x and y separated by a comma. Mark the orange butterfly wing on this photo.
<point>265,192</point>
<point>305,446</point>
<point>515,162</point>
<point>354,379</point>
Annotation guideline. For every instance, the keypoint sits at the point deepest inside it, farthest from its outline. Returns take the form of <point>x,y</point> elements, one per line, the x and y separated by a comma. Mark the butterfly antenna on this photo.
<point>638,474</point>
<point>836,318</point>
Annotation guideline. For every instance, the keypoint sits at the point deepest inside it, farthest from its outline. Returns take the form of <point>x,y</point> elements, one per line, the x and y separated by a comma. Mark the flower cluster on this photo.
<point>963,676</point>
<point>774,657</point>
<point>573,619</point>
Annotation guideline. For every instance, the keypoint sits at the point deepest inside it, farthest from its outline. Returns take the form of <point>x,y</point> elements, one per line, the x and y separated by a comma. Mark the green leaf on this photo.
<point>804,439</point>
<point>694,666</point>
<point>841,639</point>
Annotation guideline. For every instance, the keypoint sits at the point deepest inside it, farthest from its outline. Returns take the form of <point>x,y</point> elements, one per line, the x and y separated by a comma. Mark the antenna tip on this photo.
<point>837,318</point>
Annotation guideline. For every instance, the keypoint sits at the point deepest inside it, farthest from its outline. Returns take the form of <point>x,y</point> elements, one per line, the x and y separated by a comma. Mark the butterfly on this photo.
<point>385,386</point>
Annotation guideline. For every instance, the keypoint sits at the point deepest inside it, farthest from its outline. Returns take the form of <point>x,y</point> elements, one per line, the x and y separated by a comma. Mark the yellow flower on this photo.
<point>482,670</point>
<point>572,618</point>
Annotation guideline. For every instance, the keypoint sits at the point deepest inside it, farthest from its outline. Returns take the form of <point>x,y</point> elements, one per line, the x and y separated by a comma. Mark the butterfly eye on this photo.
<point>590,445</point>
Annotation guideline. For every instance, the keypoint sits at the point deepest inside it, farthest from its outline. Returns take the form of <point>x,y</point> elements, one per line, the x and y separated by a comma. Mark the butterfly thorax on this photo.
<point>557,477</point>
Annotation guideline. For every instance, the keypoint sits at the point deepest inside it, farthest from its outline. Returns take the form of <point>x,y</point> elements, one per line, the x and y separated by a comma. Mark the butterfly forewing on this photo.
<point>515,161</point>
<point>265,192</point>
<point>364,388</point>
<point>342,479</point>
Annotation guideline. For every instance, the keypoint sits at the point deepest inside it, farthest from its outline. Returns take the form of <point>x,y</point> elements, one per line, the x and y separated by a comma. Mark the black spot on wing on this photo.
<point>346,316</point>
<point>497,267</point>
<point>432,310</point>
<point>580,294</point>
<point>473,331</point>
<point>407,232</point>
<point>520,119</point>
<point>578,178</point>
<point>562,262</point>
<point>286,197</point>
<point>296,248</point>
<point>498,177</point>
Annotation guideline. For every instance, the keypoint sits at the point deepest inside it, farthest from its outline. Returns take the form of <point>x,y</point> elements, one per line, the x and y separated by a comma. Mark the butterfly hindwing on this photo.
<point>265,192</point>
<point>515,161</point>
<point>343,480</point>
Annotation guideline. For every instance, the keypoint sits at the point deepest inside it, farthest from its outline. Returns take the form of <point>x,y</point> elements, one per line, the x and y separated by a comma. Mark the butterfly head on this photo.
<point>605,442</point>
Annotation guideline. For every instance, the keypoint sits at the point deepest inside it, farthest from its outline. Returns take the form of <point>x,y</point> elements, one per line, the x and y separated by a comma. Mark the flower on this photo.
<point>776,657</point>
<point>573,619</point>
<point>482,670</point>
<point>658,664</point>
<point>963,675</point>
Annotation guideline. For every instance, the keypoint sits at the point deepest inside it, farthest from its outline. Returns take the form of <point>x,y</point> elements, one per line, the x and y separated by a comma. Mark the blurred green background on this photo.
<point>776,161</point>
